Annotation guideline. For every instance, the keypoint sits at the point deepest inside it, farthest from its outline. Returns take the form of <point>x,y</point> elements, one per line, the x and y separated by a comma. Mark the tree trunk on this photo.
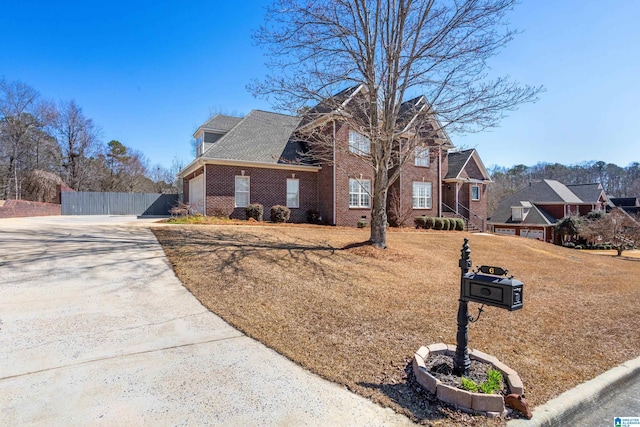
<point>379,209</point>
<point>619,249</point>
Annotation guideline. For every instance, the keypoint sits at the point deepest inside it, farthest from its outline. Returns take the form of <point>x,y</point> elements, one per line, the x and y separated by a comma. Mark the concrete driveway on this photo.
<point>95,329</point>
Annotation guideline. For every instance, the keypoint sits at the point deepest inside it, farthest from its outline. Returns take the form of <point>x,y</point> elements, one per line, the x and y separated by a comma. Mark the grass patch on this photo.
<point>355,315</point>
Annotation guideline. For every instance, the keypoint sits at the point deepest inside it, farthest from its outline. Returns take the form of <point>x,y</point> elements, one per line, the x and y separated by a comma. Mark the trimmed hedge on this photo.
<point>459,224</point>
<point>255,211</point>
<point>438,224</point>
<point>280,213</point>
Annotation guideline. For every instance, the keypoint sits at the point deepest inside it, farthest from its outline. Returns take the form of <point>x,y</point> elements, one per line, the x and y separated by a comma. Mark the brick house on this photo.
<point>274,159</point>
<point>534,211</point>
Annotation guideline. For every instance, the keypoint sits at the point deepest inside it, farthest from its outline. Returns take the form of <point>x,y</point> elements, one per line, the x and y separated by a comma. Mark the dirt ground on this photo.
<point>355,314</point>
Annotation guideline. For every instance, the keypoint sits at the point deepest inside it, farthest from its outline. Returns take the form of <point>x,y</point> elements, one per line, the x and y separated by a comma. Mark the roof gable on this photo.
<point>457,162</point>
<point>220,123</point>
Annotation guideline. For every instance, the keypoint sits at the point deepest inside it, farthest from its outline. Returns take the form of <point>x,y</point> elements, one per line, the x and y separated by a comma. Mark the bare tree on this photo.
<point>78,139</point>
<point>393,49</point>
<point>617,228</point>
<point>25,142</point>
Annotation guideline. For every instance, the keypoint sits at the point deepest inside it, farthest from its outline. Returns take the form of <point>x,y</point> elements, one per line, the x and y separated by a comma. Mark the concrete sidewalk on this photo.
<point>95,329</point>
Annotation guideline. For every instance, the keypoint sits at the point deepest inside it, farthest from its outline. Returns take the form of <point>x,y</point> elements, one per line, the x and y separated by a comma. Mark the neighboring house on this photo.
<point>631,205</point>
<point>269,158</point>
<point>534,210</point>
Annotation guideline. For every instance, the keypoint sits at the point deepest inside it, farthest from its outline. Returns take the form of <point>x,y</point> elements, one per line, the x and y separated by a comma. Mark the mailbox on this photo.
<point>498,291</point>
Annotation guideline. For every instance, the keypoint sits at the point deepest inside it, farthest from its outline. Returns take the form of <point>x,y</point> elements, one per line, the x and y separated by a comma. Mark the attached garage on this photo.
<point>196,193</point>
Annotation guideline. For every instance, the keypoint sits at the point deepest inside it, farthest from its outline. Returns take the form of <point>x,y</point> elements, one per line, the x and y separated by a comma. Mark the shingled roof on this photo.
<point>221,123</point>
<point>262,137</point>
<point>457,160</point>
<point>588,193</point>
<point>541,193</point>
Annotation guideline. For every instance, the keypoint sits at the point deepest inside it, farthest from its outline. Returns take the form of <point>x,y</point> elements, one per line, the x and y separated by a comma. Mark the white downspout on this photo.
<point>457,196</point>
<point>440,181</point>
<point>204,191</point>
<point>334,173</point>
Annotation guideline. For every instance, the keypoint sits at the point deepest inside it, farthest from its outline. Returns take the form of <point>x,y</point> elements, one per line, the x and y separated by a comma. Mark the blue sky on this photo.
<point>149,72</point>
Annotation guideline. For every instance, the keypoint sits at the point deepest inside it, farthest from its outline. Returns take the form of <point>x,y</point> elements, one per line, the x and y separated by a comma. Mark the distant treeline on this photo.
<point>617,181</point>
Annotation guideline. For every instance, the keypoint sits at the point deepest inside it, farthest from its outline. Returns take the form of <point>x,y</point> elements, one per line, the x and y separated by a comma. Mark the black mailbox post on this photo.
<point>490,286</point>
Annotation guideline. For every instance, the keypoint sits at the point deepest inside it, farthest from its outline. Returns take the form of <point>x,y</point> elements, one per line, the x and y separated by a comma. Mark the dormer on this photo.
<point>520,212</point>
<point>214,129</point>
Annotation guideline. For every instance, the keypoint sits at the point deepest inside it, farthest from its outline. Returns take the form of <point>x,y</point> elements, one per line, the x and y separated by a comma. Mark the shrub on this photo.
<point>429,222</point>
<point>180,210</point>
<point>313,217</point>
<point>579,247</point>
<point>438,224</point>
<point>420,221</point>
<point>570,245</point>
<point>280,213</point>
<point>459,224</point>
<point>255,211</point>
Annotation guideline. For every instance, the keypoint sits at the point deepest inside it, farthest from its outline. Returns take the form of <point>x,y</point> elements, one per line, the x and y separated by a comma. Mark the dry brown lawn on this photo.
<point>355,315</point>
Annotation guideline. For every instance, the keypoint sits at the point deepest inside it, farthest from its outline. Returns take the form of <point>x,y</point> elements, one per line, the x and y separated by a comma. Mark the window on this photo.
<point>242,191</point>
<point>475,192</point>
<point>359,144</point>
<point>517,213</point>
<point>422,156</point>
<point>293,193</point>
<point>359,190</point>
<point>422,195</point>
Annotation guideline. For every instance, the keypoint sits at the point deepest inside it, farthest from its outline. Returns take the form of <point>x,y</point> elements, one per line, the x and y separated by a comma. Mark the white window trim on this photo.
<point>479,193</point>
<point>428,198</point>
<point>248,192</point>
<point>361,192</point>
<point>297,192</point>
<point>359,144</point>
<point>421,156</point>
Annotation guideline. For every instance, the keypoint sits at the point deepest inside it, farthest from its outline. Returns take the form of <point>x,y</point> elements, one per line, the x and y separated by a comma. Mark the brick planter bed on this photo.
<point>487,404</point>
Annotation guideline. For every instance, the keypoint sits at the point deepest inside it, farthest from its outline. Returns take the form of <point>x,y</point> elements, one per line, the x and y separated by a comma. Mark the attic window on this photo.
<point>359,144</point>
<point>519,213</point>
<point>422,156</point>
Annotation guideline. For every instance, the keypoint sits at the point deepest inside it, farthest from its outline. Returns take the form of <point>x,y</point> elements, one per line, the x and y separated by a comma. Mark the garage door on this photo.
<point>508,231</point>
<point>196,193</point>
<point>532,234</point>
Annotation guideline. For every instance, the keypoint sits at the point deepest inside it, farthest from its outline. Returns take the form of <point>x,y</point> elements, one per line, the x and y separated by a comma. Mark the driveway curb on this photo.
<point>556,412</point>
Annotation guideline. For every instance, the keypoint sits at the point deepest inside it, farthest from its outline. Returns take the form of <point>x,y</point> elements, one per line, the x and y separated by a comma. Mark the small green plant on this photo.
<point>468,384</point>
<point>459,224</point>
<point>493,384</point>
<point>428,223</point>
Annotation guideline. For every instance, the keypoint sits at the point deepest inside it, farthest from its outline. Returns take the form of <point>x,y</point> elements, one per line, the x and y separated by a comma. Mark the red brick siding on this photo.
<point>349,166</point>
<point>23,208</point>
<point>267,187</point>
<point>410,173</point>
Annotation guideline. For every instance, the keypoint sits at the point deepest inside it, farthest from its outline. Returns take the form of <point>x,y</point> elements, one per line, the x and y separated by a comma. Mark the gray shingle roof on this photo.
<point>220,122</point>
<point>588,193</point>
<point>259,137</point>
<point>456,161</point>
<point>538,193</point>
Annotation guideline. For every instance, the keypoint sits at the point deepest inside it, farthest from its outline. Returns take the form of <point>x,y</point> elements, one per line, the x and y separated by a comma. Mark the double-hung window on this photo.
<point>293,193</point>
<point>358,143</point>
<point>475,192</point>
<point>422,195</point>
<point>242,191</point>
<point>422,156</point>
<point>359,193</point>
